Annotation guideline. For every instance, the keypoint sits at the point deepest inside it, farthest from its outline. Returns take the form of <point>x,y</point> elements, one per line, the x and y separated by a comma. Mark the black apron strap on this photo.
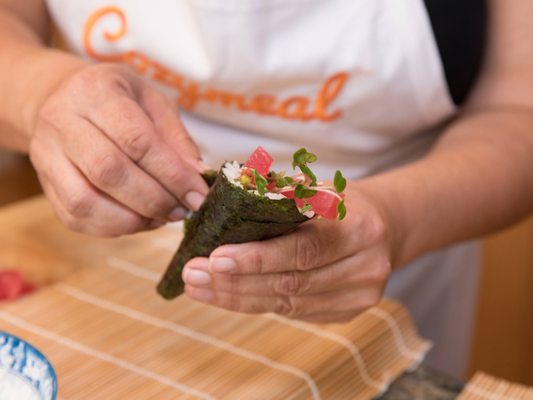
<point>460,28</point>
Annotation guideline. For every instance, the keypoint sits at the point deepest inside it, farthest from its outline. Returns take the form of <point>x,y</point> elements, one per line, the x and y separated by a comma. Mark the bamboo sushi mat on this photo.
<point>486,387</point>
<point>109,336</point>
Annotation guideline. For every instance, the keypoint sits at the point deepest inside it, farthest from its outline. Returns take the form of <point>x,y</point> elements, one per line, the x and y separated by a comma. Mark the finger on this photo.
<point>312,245</point>
<point>289,306</point>
<point>108,169</point>
<point>330,318</point>
<point>128,126</point>
<point>77,203</point>
<point>96,226</point>
<point>164,115</point>
<point>351,272</point>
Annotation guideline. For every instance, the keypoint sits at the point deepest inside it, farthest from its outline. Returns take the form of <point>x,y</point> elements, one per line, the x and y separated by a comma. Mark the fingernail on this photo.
<point>194,200</point>
<point>156,223</point>
<point>200,263</point>
<point>196,277</point>
<point>177,214</point>
<point>222,264</point>
<point>204,295</point>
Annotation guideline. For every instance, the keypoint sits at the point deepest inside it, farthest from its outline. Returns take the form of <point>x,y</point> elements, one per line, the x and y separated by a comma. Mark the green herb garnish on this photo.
<point>300,159</point>
<point>279,179</point>
<point>341,210</point>
<point>339,182</point>
<point>302,192</point>
<point>307,172</point>
<point>306,207</point>
<point>302,156</point>
<point>281,183</point>
<point>260,182</point>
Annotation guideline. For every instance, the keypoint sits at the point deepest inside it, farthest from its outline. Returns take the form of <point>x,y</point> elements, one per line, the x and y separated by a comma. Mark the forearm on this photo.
<point>478,178</point>
<point>28,73</point>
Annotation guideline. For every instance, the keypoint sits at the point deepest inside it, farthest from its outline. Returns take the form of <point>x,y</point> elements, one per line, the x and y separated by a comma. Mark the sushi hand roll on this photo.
<point>248,203</point>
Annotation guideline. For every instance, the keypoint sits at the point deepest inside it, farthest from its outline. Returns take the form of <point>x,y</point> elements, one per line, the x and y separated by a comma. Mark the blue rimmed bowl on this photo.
<point>25,373</point>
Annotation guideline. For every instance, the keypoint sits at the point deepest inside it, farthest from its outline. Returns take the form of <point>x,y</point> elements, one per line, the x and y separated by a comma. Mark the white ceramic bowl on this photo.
<point>25,373</point>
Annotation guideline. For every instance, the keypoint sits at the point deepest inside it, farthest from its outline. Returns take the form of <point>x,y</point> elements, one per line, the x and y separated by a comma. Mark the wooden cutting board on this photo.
<point>108,334</point>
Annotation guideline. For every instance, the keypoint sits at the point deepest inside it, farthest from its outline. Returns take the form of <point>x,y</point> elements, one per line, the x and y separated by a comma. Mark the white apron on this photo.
<point>359,82</point>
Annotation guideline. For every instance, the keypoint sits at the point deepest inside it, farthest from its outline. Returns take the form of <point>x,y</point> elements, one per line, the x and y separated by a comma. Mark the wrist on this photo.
<point>390,196</point>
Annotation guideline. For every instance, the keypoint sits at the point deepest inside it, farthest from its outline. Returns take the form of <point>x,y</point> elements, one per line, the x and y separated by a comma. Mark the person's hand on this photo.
<point>325,271</point>
<point>112,155</point>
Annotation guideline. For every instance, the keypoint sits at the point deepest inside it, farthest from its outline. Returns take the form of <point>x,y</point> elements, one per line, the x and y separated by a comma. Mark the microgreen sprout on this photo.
<point>302,192</point>
<point>260,182</point>
<point>307,207</point>
<point>339,182</point>
<point>300,159</point>
<point>341,210</point>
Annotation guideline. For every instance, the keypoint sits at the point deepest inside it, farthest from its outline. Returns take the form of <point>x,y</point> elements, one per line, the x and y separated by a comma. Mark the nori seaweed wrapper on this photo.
<point>229,214</point>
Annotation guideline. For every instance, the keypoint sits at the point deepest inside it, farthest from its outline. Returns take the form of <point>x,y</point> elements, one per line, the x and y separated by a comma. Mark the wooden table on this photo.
<point>32,241</point>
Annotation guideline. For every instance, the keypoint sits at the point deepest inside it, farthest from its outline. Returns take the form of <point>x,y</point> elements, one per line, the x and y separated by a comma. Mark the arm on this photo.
<point>477,178</point>
<point>111,153</point>
<point>29,71</point>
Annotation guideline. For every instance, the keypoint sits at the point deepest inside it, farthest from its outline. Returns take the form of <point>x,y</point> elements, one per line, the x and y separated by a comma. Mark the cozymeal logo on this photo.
<point>190,92</point>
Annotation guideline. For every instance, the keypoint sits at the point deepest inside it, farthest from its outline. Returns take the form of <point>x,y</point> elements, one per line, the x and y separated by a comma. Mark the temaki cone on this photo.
<point>229,214</point>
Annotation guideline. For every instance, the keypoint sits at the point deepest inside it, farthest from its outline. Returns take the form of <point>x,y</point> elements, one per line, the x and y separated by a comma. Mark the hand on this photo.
<point>112,155</point>
<point>325,271</point>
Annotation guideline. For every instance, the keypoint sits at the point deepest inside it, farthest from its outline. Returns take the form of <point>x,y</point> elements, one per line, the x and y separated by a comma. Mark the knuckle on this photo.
<point>92,80</point>
<point>255,259</point>
<point>49,112</point>
<point>234,284</point>
<point>157,207</point>
<point>92,73</point>
<point>79,205</point>
<point>307,253</point>
<point>121,84</point>
<point>290,284</point>
<point>285,306</point>
<point>106,171</point>
<point>178,176</point>
<point>376,230</point>
<point>84,80</point>
<point>136,143</point>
